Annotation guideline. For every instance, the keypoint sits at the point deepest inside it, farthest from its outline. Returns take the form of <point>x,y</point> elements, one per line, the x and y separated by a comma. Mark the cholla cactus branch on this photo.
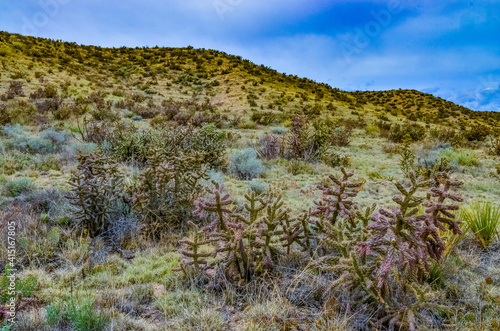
<point>336,201</point>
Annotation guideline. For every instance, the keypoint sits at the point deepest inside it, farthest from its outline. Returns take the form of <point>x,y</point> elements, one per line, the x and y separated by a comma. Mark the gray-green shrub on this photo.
<point>18,186</point>
<point>245,164</point>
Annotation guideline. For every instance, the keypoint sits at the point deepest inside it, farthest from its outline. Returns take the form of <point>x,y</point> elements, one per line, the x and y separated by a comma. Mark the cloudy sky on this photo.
<point>448,48</point>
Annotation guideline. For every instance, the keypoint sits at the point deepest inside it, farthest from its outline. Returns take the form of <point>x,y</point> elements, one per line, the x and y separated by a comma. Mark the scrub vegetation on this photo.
<point>188,189</point>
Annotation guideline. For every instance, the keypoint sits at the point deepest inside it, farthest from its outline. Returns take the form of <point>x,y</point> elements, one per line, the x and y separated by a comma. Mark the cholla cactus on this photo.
<point>265,232</point>
<point>166,190</point>
<point>226,231</point>
<point>298,230</point>
<point>296,139</point>
<point>248,242</point>
<point>193,247</point>
<point>217,203</point>
<point>96,189</point>
<point>336,202</point>
<point>438,215</point>
<point>396,235</point>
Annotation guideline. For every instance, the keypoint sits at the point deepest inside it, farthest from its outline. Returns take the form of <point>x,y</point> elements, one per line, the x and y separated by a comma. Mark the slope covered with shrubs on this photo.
<point>183,189</point>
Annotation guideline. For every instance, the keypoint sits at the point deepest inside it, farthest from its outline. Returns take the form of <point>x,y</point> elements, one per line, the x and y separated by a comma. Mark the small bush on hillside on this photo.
<point>58,137</point>
<point>245,164</point>
<point>278,130</point>
<point>47,141</point>
<point>18,186</point>
<point>415,131</point>
<point>478,132</point>
<point>465,158</point>
<point>448,135</point>
<point>341,136</point>
<point>265,117</point>
<point>335,159</point>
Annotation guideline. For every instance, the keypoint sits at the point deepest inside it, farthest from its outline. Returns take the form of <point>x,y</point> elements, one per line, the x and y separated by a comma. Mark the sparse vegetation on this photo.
<point>187,189</point>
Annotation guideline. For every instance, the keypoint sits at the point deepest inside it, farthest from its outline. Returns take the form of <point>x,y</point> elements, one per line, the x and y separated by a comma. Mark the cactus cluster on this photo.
<point>96,192</point>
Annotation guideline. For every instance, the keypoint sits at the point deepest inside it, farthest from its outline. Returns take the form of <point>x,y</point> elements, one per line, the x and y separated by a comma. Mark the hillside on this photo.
<point>181,189</point>
<point>230,84</point>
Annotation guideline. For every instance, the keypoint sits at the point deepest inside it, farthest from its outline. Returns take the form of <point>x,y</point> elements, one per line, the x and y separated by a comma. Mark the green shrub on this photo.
<point>18,186</point>
<point>20,138</point>
<point>258,187</point>
<point>399,132</point>
<point>482,219</point>
<point>341,136</point>
<point>478,132</point>
<point>245,165</point>
<point>371,129</point>
<point>465,158</point>
<point>279,130</point>
<point>335,159</point>
<point>265,117</point>
<point>297,167</point>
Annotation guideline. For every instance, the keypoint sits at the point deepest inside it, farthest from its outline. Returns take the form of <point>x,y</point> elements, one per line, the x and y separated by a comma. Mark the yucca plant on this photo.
<point>482,219</point>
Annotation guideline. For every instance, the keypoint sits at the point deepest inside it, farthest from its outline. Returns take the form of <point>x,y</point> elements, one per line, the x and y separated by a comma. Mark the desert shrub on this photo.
<point>258,187</point>
<point>245,164</point>
<point>297,167</point>
<point>494,146</point>
<point>465,158</point>
<point>303,143</point>
<point>350,123</point>
<point>20,138</point>
<point>448,135</point>
<point>58,137</point>
<point>279,130</point>
<point>37,242</point>
<point>478,132</point>
<point>18,186</point>
<point>341,136</point>
<point>483,220</point>
<point>384,126</point>
<point>15,89</point>
<point>48,91</point>
<point>16,161</point>
<point>249,125</point>
<point>372,129</point>
<point>48,201</point>
<point>415,131</point>
<point>265,117</point>
<point>335,159</point>
<point>104,114</point>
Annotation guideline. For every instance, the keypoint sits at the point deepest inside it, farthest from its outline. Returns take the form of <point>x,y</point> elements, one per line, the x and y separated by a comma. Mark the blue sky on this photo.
<point>448,48</point>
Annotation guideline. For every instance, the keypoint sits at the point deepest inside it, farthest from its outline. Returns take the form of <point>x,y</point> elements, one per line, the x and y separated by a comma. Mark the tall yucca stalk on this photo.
<point>482,219</point>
